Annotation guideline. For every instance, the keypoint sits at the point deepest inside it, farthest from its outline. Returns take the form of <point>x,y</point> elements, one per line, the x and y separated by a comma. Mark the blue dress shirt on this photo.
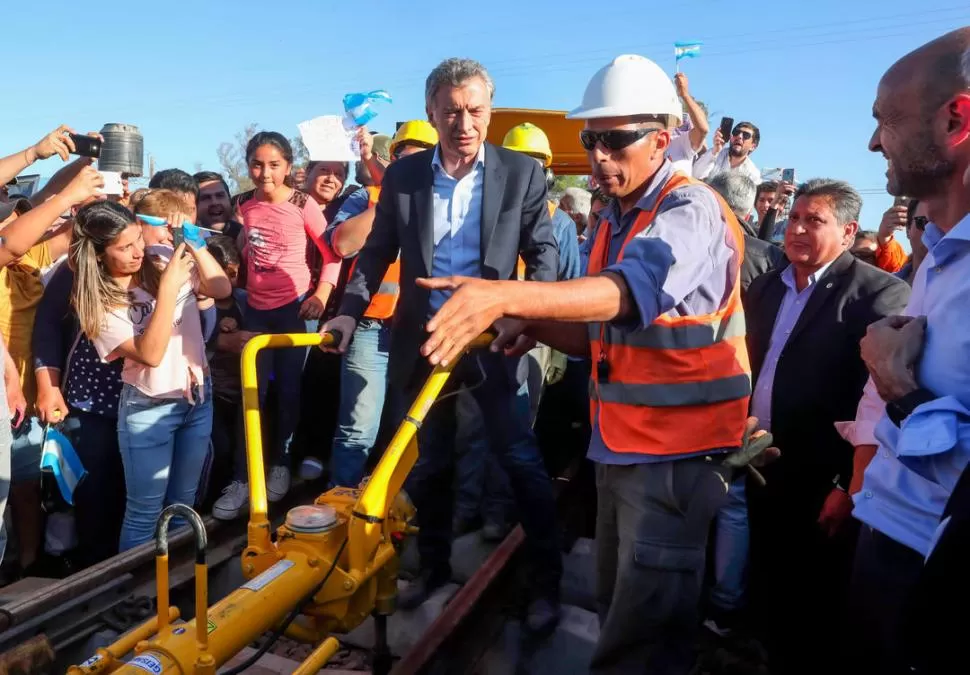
<point>457,224</point>
<point>908,482</point>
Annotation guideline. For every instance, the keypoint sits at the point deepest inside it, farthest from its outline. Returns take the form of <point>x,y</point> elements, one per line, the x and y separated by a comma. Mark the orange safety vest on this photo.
<point>682,384</point>
<point>384,302</point>
<point>520,266</point>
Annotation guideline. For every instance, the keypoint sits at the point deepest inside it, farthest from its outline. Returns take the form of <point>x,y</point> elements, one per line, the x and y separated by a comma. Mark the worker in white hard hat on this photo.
<point>660,316</point>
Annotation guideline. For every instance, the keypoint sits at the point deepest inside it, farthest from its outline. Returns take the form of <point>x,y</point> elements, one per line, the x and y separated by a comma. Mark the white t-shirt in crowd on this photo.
<point>708,165</point>
<point>184,363</point>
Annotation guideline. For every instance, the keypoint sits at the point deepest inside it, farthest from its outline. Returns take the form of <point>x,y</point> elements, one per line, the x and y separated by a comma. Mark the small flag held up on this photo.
<point>684,50</point>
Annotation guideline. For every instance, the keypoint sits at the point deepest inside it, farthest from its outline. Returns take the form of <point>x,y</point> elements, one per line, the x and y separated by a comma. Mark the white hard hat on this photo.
<point>629,85</point>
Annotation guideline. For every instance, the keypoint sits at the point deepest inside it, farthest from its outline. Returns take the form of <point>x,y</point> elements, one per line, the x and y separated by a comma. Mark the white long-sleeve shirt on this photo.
<point>708,165</point>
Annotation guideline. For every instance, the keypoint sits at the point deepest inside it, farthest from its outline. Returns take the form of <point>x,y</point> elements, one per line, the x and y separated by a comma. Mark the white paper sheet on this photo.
<point>112,183</point>
<point>328,140</point>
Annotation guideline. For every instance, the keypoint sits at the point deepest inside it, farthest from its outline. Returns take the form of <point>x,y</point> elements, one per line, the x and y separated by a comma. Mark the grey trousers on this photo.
<point>652,525</point>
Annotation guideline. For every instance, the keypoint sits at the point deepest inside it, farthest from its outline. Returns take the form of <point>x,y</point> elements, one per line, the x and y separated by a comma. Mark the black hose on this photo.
<point>278,633</point>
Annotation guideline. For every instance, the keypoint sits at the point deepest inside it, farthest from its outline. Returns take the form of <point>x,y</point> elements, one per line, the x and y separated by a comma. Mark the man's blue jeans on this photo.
<point>363,385</point>
<point>731,541</point>
<point>164,446</point>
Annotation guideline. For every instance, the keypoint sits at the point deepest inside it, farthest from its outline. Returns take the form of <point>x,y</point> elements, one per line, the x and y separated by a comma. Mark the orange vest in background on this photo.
<point>682,384</point>
<point>384,302</point>
<point>520,265</point>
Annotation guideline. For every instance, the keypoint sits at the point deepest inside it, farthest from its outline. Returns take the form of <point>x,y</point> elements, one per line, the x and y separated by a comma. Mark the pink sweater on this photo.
<point>276,234</point>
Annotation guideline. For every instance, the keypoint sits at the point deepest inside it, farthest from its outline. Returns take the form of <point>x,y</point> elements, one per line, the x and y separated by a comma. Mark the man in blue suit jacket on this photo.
<point>465,207</point>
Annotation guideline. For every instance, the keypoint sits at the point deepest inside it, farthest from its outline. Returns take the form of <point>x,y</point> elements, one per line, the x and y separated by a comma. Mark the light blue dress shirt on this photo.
<point>457,224</point>
<point>564,230</point>
<point>908,482</point>
<point>789,312</point>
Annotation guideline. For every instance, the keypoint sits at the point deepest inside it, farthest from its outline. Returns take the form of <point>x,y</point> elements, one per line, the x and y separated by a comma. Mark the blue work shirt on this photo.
<point>354,205</point>
<point>789,312</point>
<point>564,230</point>
<point>908,482</point>
<point>685,264</point>
<point>457,208</point>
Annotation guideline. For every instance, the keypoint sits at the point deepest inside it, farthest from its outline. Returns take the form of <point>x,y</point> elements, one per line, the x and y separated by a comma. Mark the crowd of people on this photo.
<point>773,407</point>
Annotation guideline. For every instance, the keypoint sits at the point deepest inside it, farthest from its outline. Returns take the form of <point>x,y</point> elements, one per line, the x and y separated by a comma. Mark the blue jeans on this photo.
<point>363,385</point>
<point>285,367</point>
<point>164,447</point>
<point>731,541</point>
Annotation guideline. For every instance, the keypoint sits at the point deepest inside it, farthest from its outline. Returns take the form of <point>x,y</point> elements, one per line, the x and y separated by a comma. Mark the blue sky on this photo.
<point>192,74</point>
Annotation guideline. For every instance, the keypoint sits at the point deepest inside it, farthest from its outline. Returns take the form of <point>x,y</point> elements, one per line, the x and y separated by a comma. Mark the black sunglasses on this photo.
<point>613,139</point>
<point>746,135</point>
<point>920,222</point>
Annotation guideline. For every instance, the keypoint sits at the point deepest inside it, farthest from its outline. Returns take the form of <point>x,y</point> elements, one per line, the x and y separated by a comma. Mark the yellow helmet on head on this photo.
<point>415,131</point>
<point>529,139</point>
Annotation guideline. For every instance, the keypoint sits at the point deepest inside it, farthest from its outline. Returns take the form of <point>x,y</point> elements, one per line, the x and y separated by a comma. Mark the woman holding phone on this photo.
<point>139,304</point>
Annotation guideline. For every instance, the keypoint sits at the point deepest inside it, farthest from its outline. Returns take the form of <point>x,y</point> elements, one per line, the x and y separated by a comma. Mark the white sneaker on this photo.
<point>234,497</point>
<point>311,468</point>
<point>278,484</point>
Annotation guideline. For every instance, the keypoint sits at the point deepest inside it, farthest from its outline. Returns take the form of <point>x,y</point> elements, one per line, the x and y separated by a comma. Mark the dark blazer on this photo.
<point>515,220</point>
<point>820,375</point>
<point>759,257</point>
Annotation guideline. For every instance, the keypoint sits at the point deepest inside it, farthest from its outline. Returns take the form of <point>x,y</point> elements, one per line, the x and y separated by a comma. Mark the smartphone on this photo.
<point>86,146</point>
<point>901,200</point>
<point>727,126</point>
<point>788,176</point>
<point>177,237</point>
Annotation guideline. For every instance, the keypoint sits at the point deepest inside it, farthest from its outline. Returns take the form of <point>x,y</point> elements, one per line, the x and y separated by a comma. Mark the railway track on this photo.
<point>63,622</point>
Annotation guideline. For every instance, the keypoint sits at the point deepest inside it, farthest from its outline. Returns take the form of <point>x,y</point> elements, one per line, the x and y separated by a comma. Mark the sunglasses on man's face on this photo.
<point>613,139</point>
<point>743,134</point>
<point>920,222</point>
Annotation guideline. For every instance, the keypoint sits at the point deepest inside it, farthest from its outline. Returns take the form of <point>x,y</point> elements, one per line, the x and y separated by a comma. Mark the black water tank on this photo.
<point>123,149</point>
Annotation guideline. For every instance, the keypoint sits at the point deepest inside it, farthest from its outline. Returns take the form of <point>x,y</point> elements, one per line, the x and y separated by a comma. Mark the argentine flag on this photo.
<point>59,458</point>
<point>683,50</point>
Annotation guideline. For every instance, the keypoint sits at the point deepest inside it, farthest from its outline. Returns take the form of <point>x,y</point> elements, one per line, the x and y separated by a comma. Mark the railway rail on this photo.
<point>54,627</point>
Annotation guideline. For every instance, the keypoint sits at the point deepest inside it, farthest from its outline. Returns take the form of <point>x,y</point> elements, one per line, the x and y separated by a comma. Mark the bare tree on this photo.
<point>232,159</point>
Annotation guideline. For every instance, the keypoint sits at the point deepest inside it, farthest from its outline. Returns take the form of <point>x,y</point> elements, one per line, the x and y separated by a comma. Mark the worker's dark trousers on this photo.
<point>508,425</point>
<point>652,525</point>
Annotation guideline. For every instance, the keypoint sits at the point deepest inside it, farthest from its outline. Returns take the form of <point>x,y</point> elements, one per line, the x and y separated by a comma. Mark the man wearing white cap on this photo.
<point>661,319</point>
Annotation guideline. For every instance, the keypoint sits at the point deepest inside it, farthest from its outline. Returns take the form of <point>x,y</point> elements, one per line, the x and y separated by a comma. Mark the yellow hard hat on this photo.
<point>415,131</point>
<point>531,140</point>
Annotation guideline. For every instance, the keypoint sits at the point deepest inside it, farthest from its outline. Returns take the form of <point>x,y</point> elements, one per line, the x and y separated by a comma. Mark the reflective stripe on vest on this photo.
<point>680,385</point>
<point>384,302</point>
<point>520,264</point>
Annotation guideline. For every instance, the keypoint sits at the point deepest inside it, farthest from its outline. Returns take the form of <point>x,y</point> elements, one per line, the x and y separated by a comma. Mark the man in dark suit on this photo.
<point>465,207</point>
<point>804,326</point>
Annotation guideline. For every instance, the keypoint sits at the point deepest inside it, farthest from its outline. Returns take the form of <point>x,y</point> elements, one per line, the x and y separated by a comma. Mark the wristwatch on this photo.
<point>901,408</point>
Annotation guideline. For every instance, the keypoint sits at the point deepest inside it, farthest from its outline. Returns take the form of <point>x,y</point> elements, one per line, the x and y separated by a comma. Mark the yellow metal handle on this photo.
<point>259,534</point>
<point>396,463</point>
<point>318,657</point>
<point>201,570</point>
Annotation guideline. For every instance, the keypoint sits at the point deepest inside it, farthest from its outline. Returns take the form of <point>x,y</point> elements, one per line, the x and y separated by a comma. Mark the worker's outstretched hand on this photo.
<point>473,307</point>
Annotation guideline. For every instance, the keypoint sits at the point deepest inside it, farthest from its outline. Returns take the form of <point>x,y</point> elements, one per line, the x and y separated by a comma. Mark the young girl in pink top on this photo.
<point>139,304</point>
<point>277,221</point>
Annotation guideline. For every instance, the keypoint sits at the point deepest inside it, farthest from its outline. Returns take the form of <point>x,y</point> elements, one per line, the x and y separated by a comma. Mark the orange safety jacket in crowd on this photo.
<point>520,266</point>
<point>682,384</point>
<point>384,302</point>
